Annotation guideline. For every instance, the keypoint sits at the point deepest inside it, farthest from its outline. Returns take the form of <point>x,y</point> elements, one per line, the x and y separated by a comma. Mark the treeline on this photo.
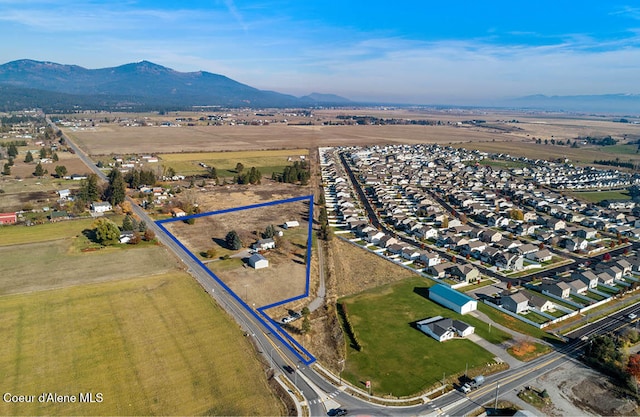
<point>299,171</point>
<point>19,118</point>
<point>348,327</point>
<point>614,163</point>
<point>601,141</point>
<point>607,354</point>
<point>13,143</point>
<point>253,176</point>
<point>372,120</point>
<point>136,178</point>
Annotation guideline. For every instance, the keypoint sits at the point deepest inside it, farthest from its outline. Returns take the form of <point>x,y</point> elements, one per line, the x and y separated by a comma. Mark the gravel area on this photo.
<point>576,390</point>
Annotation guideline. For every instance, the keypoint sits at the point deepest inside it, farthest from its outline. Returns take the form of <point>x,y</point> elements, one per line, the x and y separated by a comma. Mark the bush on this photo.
<point>348,327</point>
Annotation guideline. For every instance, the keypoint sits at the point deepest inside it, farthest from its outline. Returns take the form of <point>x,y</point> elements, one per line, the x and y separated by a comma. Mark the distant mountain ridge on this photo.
<point>146,84</point>
<point>595,103</point>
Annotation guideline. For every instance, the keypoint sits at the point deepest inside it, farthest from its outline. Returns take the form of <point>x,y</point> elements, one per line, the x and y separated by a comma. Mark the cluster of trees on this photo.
<point>108,233</point>
<point>269,232</point>
<point>616,163</point>
<point>298,172</point>
<point>253,176</point>
<point>606,353</point>
<point>136,178</point>
<point>560,142</point>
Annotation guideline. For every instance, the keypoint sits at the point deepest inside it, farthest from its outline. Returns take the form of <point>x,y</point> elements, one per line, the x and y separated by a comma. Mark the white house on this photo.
<point>258,261</point>
<point>64,194</point>
<point>443,329</point>
<point>264,244</point>
<point>452,299</point>
<point>101,207</point>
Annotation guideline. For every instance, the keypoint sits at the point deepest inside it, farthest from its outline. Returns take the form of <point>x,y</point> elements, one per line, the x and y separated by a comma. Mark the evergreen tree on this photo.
<point>43,153</point>
<point>212,173</point>
<point>233,240</point>
<point>127,223</point>
<point>269,232</point>
<point>28,157</point>
<point>55,157</point>
<point>12,151</point>
<point>7,169</point>
<point>39,171</point>
<point>116,190</point>
<point>239,168</point>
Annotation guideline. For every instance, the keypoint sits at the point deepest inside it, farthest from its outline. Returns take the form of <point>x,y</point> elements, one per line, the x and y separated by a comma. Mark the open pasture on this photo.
<point>54,264</point>
<point>225,162</point>
<point>151,346</point>
<point>397,357</point>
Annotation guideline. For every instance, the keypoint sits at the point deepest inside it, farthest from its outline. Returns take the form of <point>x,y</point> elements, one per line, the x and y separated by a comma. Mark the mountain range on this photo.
<point>135,86</point>
<point>144,86</point>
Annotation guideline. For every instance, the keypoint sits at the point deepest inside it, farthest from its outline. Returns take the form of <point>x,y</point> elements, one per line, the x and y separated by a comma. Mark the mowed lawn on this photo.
<point>397,357</point>
<point>18,234</point>
<point>151,346</point>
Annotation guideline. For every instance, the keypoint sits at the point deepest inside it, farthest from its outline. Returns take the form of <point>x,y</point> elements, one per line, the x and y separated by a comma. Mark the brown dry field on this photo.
<point>229,196</point>
<point>285,276</point>
<point>110,138</point>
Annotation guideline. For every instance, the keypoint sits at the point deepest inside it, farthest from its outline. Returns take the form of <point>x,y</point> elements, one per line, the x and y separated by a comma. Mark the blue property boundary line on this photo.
<point>296,348</point>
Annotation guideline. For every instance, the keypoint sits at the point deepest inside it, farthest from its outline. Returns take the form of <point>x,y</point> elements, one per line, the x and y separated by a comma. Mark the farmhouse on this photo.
<point>64,194</point>
<point>443,329</point>
<point>101,207</point>
<point>264,244</point>
<point>177,212</point>
<point>257,261</point>
<point>452,299</point>
<point>8,218</point>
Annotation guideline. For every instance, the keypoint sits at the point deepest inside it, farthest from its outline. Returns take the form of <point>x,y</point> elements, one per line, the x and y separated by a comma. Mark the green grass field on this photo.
<point>598,196</point>
<point>155,345</point>
<point>225,162</point>
<point>396,357</point>
<point>17,235</point>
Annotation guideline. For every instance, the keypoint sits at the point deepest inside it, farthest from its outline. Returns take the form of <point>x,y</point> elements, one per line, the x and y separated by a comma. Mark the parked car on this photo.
<point>286,320</point>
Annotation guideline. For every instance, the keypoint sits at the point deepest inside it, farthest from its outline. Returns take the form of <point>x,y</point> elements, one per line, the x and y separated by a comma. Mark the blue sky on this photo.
<point>463,52</point>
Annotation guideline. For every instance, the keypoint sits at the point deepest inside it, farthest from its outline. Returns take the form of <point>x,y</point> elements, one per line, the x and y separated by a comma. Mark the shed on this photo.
<point>291,223</point>
<point>258,261</point>
<point>452,299</point>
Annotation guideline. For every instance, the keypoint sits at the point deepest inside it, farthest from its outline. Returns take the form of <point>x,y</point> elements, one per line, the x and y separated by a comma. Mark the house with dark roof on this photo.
<point>516,302</point>
<point>443,329</point>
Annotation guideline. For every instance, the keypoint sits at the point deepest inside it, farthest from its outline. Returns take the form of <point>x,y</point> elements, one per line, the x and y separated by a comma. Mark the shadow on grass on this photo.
<point>422,291</point>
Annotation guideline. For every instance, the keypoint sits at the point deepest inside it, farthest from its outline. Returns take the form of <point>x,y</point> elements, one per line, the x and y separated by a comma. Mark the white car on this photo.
<point>632,316</point>
<point>287,320</point>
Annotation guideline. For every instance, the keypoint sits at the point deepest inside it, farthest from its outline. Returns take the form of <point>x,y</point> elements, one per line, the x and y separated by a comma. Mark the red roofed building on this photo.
<point>8,218</point>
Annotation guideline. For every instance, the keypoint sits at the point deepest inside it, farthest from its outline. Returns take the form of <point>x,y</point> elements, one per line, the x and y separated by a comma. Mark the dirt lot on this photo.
<point>576,390</point>
<point>286,275</point>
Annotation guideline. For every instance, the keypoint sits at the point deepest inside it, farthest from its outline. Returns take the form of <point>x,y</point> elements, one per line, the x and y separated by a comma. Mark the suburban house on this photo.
<point>588,277</point>
<point>542,255</point>
<point>387,241</point>
<point>101,207</point>
<point>430,258</point>
<point>516,303</point>
<point>606,278</point>
<point>452,299</point>
<point>8,218</point>
<point>539,303</point>
<point>258,261</point>
<point>290,224</point>
<point>466,272</point>
<point>559,289</point>
<point>439,270</point>
<point>264,244</point>
<point>443,329</point>
<point>579,287</point>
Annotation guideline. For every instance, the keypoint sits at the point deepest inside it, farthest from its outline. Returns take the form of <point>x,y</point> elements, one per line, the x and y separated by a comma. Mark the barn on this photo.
<point>258,261</point>
<point>452,299</point>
